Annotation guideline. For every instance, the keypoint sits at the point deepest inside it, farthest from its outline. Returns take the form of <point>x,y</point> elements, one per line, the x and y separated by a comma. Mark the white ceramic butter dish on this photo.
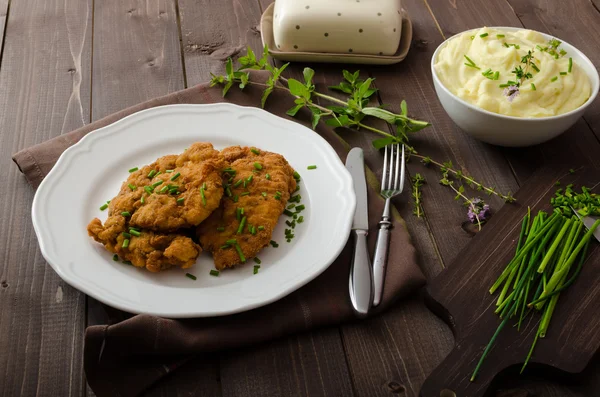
<point>370,27</point>
<point>297,55</point>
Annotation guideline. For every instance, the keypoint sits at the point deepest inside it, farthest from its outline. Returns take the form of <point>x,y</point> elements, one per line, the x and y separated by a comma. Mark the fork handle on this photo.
<point>380,258</point>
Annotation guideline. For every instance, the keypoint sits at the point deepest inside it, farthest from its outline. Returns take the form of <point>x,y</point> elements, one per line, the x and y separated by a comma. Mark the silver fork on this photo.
<point>392,184</point>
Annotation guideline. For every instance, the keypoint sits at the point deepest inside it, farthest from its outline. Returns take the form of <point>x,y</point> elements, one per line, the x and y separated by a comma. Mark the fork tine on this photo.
<point>391,165</point>
<point>402,171</point>
<point>397,167</point>
<point>385,156</point>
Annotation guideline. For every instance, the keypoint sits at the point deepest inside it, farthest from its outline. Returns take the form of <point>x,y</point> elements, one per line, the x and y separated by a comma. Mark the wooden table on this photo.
<point>66,63</point>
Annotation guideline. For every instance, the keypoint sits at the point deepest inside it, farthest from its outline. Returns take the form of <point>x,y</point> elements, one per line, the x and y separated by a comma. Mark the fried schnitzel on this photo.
<point>149,250</point>
<point>257,186</point>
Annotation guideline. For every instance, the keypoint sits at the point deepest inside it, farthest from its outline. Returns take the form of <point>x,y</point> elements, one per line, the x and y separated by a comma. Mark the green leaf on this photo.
<point>308,75</point>
<point>337,109</point>
<point>227,87</point>
<point>343,86</point>
<point>265,95</point>
<point>404,108</point>
<point>244,80</point>
<point>415,126</point>
<point>315,119</point>
<point>298,89</point>
<point>380,114</point>
<point>461,189</point>
<point>299,101</point>
<point>292,112</point>
<point>348,76</point>
<point>341,121</point>
<point>229,67</point>
<point>355,76</point>
<point>263,62</point>
<point>382,142</point>
<point>370,92</point>
<point>277,71</point>
<point>364,87</point>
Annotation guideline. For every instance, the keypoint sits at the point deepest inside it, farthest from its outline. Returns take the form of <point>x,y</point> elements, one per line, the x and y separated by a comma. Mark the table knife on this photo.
<point>588,222</point>
<point>361,272</point>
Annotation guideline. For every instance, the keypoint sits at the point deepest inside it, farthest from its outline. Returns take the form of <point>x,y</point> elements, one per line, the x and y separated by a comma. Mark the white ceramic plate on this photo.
<point>266,34</point>
<point>90,172</point>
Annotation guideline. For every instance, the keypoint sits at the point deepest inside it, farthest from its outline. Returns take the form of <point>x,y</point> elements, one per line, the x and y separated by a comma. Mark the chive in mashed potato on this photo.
<point>481,71</point>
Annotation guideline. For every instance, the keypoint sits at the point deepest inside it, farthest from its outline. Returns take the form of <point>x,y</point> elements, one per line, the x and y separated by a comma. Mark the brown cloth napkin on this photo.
<point>125,358</point>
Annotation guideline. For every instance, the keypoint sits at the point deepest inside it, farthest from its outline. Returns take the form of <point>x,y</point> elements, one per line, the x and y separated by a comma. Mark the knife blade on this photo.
<point>361,272</point>
<point>588,222</point>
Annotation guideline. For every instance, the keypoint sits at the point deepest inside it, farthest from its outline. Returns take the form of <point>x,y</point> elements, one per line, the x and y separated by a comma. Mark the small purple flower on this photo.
<point>481,209</point>
<point>511,92</point>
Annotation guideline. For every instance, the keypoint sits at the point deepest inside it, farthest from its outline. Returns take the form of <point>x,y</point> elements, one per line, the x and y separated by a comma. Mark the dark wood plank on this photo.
<point>136,53</point>
<point>577,22</point>
<point>3,16</point>
<point>306,364</point>
<point>210,34</point>
<point>44,91</point>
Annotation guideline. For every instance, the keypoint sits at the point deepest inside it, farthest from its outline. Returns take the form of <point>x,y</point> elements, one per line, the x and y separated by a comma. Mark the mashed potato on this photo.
<point>489,81</point>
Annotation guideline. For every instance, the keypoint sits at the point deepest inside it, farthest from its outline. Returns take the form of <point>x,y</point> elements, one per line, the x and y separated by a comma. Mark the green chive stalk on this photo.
<point>554,245</point>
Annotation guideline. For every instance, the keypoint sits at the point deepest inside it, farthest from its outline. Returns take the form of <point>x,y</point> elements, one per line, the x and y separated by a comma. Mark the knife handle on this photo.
<point>361,279</point>
<point>380,258</point>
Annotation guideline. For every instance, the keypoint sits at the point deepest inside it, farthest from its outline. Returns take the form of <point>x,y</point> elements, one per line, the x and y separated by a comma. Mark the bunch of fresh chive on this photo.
<point>550,253</point>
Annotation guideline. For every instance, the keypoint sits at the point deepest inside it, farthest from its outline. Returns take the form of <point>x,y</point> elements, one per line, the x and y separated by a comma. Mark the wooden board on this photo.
<point>460,295</point>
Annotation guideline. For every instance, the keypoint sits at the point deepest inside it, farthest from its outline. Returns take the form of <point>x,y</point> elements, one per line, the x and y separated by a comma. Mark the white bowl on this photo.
<point>503,130</point>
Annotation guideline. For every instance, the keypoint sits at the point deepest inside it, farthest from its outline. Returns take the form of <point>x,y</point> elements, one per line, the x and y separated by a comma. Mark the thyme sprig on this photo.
<point>418,181</point>
<point>351,112</point>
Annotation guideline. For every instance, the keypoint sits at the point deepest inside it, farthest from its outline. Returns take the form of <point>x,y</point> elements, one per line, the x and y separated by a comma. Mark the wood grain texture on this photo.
<point>136,53</point>
<point>210,34</point>
<point>3,15</point>
<point>571,340</point>
<point>44,91</point>
<point>576,22</point>
<point>308,364</point>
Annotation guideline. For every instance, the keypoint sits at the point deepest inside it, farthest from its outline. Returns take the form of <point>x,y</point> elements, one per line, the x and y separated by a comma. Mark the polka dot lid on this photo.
<point>340,26</point>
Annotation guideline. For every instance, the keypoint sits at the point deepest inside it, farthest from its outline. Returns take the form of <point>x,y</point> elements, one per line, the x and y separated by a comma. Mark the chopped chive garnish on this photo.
<point>288,212</point>
<point>228,192</point>
<point>554,78</point>
<point>472,66</point>
<point>290,224</point>
<point>506,45</point>
<point>289,207</point>
<point>268,177</point>
<point>264,194</point>
<point>204,186</point>
<point>225,246</point>
<point>570,64</point>
<point>500,36</point>
<point>511,82</point>
<point>134,228</point>
<point>125,243</point>
<point>250,178</point>
<point>258,166</point>
<point>274,244</point>
<point>135,233</point>
<point>295,199</point>
<point>298,187</point>
<point>238,183</point>
<point>245,194</point>
<point>164,189</point>
<point>295,216</point>
<point>148,189</point>
<point>235,198</point>
<point>503,85</point>
<point>496,75</point>
<point>311,167</point>
<point>157,183</point>
<point>151,174</point>
<point>220,229</point>
<point>240,253</point>
<point>180,201</point>
<point>261,228</point>
<point>300,208</point>
<point>470,63</point>
<point>177,175</point>
<point>296,176</point>
<point>214,273</point>
<point>132,187</point>
<point>126,235</point>
<point>191,276</point>
<point>277,197</point>
<point>202,196</point>
<point>472,37</point>
<point>563,73</point>
<point>534,66</point>
<point>103,207</point>
<point>533,87</point>
<point>125,213</point>
<point>256,267</point>
<point>253,150</point>
<point>134,169</point>
<point>229,171</point>
<point>142,199</point>
<point>158,173</point>
<point>300,219</point>
<point>115,257</point>
<point>238,214</point>
<point>241,227</point>
<point>245,183</point>
<point>242,211</point>
<point>484,35</point>
<point>128,263</point>
<point>169,171</point>
<point>253,230</point>
<point>231,241</point>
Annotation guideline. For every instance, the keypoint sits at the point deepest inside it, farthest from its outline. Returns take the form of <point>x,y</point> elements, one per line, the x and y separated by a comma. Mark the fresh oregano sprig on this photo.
<point>349,113</point>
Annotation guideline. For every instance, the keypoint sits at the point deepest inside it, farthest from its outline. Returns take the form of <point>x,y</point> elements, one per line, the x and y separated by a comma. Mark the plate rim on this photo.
<point>64,160</point>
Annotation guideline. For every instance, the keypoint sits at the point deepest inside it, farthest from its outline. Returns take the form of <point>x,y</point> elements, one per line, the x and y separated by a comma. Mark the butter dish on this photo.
<point>354,57</point>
